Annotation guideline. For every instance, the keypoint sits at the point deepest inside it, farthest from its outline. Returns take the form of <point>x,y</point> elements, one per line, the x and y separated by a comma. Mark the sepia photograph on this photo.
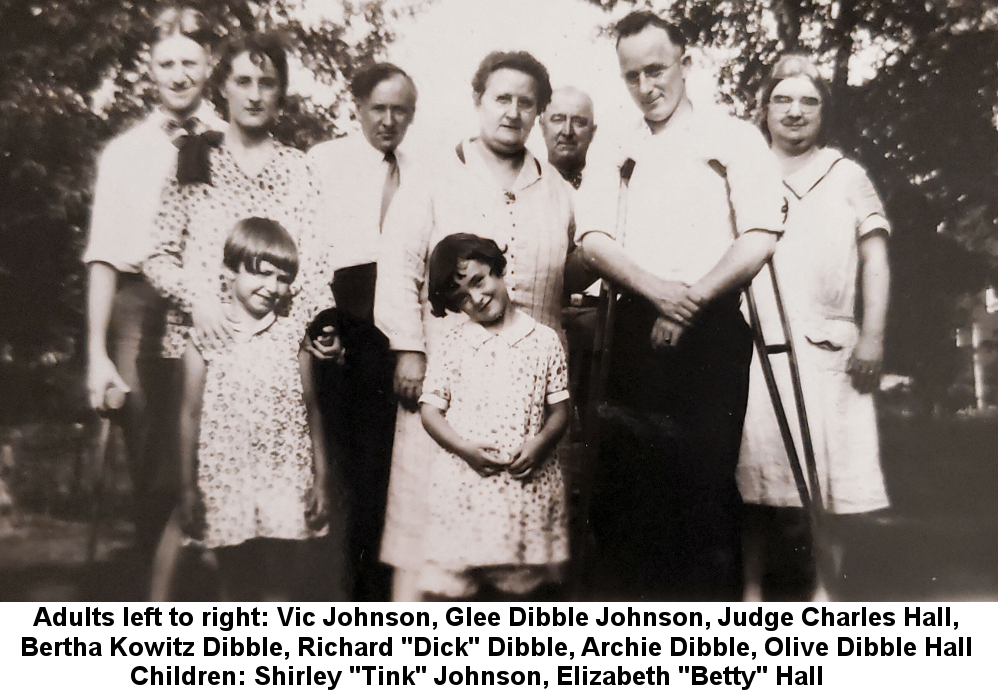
<point>499,300</point>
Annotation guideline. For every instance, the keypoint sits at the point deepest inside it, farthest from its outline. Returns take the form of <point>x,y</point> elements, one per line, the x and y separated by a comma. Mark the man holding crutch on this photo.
<point>701,211</point>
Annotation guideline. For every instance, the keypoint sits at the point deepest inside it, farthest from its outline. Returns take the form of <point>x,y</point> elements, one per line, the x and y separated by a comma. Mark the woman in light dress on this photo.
<point>833,269</point>
<point>492,186</point>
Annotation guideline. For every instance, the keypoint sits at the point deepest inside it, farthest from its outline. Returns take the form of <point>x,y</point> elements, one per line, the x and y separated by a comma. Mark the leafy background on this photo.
<point>915,90</point>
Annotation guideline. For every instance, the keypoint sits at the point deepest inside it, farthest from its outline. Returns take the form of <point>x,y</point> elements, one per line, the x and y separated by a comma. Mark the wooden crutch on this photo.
<point>599,371</point>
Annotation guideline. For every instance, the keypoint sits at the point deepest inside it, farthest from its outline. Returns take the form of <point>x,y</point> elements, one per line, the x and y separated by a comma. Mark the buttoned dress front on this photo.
<point>495,387</point>
<point>833,206</point>
<point>533,222</point>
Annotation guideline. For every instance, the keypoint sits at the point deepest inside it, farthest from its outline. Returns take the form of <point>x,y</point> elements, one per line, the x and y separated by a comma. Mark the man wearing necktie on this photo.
<point>359,177</point>
<point>125,314</point>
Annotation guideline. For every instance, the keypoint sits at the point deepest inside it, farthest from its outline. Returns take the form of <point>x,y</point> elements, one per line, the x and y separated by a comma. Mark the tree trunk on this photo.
<point>842,43</point>
<point>788,15</point>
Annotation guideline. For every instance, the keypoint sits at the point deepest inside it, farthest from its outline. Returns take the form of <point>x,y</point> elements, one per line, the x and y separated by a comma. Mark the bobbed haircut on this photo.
<point>261,47</point>
<point>183,21</point>
<point>255,240</point>
<point>449,252</point>
<point>794,65</point>
<point>520,61</point>
<point>637,22</point>
<point>370,76</point>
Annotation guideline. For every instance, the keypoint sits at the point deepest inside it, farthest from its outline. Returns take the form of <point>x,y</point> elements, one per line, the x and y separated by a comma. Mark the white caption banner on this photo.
<point>616,647</point>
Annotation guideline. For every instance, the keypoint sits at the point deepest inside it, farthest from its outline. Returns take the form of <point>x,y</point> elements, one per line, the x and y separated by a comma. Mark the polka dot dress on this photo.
<point>494,388</point>
<point>195,220</point>
<point>254,450</point>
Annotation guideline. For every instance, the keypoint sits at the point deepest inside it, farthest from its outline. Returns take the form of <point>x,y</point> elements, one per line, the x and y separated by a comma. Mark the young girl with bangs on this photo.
<point>253,463</point>
<point>495,398</point>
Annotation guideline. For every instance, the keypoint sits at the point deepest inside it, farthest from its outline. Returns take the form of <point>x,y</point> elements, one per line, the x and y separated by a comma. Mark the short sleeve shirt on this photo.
<point>494,387</point>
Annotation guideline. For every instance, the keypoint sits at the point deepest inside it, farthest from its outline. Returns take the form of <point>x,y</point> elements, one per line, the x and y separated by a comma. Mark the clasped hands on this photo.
<point>678,305</point>
<point>484,458</point>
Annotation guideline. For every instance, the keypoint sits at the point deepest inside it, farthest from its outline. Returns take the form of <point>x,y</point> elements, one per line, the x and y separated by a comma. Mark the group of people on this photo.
<point>355,346</point>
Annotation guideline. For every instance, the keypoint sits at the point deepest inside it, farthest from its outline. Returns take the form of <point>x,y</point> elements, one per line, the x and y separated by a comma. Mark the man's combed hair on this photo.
<point>795,65</point>
<point>636,22</point>
<point>444,260</point>
<point>370,76</point>
<point>515,60</point>
<point>255,240</point>
<point>260,47</point>
<point>184,21</point>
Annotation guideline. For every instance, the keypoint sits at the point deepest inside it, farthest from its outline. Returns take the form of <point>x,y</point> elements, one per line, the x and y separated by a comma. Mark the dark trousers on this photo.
<point>151,412</point>
<point>666,515</point>
<point>358,407</point>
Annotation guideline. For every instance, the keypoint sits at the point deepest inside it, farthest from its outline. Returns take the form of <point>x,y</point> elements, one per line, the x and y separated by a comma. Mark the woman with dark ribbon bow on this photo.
<point>248,174</point>
<point>242,172</point>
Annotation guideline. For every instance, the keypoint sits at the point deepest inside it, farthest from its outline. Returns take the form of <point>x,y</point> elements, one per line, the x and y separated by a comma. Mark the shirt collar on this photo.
<point>205,114</point>
<point>519,327</point>
<point>530,172</point>
<point>807,177</point>
<point>372,155</point>
<point>247,329</point>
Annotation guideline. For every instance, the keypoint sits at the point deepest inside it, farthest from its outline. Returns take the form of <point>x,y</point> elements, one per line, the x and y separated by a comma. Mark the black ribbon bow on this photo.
<point>194,156</point>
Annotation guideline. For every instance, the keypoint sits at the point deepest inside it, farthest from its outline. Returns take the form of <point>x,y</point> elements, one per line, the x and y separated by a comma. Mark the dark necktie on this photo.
<point>392,181</point>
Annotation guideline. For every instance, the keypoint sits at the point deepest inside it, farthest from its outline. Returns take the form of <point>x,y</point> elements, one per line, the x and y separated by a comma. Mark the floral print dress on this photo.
<point>495,387</point>
<point>254,451</point>
<point>195,220</point>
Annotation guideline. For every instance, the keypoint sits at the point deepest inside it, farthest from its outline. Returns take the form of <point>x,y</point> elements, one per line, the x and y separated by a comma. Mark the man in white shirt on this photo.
<point>125,314</point>
<point>704,209</point>
<point>358,179</point>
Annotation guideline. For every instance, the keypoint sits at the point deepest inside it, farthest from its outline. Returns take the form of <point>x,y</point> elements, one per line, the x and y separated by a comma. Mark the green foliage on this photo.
<point>74,76</point>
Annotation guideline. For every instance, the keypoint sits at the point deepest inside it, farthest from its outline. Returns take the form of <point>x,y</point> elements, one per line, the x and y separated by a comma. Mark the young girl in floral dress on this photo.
<point>495,398</point>
<point>253,464</point>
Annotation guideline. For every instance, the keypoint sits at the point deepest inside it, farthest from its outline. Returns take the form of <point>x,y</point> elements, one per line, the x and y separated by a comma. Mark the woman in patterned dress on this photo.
<point>251,175</point>
<point>834,276</point>
<point>492,186</point>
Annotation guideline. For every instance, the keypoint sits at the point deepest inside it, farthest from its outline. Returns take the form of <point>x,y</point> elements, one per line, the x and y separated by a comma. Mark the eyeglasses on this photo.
<point>807,105</point>
<point>651,72</point>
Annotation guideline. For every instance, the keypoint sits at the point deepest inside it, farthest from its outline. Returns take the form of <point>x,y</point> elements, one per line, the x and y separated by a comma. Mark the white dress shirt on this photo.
<point>352,176</point>
<point>695,185</point>
<point>132,171</point>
